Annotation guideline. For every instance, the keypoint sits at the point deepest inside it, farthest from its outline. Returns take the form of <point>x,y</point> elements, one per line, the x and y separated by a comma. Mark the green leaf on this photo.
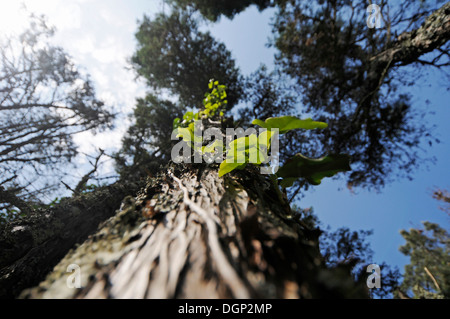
<point>237,151</point>
<point>259,123</point>
<point>265,138</point>
<point>188,116</point>
<point>288,182</point>
<point>176,123</point>
<point>226,168</point>
<point>313,170</point>
<point>186,134</point>
<point>250,149</point>
<point>212,147</point>
<point>288,123</point>
<point>244,142</point>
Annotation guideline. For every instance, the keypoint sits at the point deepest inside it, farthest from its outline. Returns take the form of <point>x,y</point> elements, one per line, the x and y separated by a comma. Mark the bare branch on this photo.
<point>82,184</point>
<point>10,198</point>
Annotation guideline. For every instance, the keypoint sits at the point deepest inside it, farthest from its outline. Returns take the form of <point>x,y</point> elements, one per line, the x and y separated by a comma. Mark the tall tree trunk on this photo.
<point>191,234</point>
<point>30,247</point>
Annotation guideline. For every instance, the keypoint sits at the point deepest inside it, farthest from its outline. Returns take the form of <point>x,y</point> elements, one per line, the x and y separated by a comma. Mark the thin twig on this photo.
<point>70,188</point>
<point>82,184</point>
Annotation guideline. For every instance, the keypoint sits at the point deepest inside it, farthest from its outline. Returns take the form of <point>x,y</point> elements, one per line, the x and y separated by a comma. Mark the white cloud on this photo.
<point>99,36</point>
<point>112,17</point>
<point>12,17</point>
<point>65,15</point>
<point>84,44</point>
<point>101,80</point>
<point>110,51</point>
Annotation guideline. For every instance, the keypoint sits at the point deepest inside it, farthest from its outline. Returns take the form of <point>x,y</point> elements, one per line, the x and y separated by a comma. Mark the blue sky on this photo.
<point>99,35</point>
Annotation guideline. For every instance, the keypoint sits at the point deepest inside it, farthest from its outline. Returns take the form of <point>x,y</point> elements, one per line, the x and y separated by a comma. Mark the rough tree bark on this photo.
<point>32,246</point>
<point>191,234</point>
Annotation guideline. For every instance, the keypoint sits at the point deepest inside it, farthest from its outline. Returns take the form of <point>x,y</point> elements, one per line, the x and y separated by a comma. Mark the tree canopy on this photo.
<point>173,54</point>
<point>44,101</point>
<point>146,144</point>
<point>229,8</point>
<point>428,274</point>
<point>351,76</point>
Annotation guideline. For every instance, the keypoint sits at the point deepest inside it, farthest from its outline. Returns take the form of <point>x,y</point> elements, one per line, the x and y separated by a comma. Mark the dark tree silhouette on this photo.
<point>353,77</point>
<point>229,8</point>
<point>173,54</point>
<point>146,144</point>
<point>44,101</point>
<point>427,275</point>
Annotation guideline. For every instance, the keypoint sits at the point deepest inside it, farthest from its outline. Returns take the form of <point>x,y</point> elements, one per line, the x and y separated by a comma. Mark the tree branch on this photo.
<point>10,198</point>
<point>433,33</point>
<point>82,184</point>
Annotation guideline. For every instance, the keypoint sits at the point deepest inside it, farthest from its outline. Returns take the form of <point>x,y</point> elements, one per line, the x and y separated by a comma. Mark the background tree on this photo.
<point>228,8</point>
<point>350,250</point>
<point>44,101</point>
<point>266,94</point>
<point>146,144</point>
<point>426,276</point>
<point>351,76</point>
<point>443,196</point>
<point>428,273</point>
<point>173,54</point>
<point>346,246</point>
